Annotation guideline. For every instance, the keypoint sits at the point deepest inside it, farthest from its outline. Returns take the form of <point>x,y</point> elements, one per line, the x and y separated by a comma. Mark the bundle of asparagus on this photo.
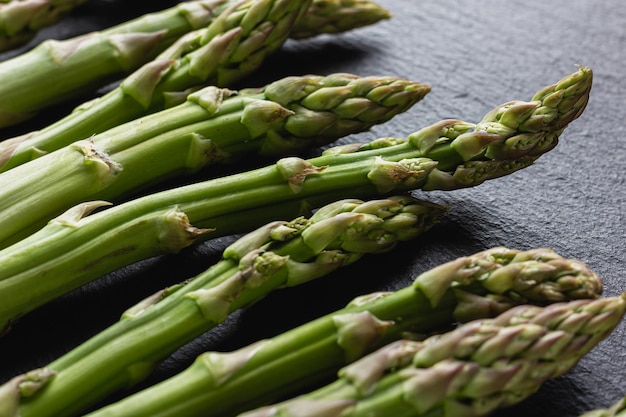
<point>470,371</point>
<point>480,285</point>
<point>477,286</point>
<point>213,126</point>
<point>56,71</point>
<point>447,155</point>
<point>231,47</point>
<point>276,255</point>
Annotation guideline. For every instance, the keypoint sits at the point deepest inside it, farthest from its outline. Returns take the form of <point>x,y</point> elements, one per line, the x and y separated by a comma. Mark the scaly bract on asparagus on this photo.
<point>56,71</point>
<point>280,254</point>
<point>471,371</point>
<point>446,155</point>
<point>20,20</point>
<point>477,286</point>
<point>213,126</point>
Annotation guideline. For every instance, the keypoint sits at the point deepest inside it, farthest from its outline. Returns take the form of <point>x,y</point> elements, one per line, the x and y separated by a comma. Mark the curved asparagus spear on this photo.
<point>276,255</point>
<point>219,384</point>
<point>232,46</point>
<point>471,371</point>
<point>20,20</point>
<point>213,126</point>
<point>617,410</point>
<point>446,155</point>
<point>82,64</point>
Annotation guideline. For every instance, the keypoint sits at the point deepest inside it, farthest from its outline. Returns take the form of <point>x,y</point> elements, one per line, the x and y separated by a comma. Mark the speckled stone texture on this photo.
<point>475,55</point>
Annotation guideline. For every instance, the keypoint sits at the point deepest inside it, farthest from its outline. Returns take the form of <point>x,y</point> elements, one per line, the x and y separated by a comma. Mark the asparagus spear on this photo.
<point>82,64</point>
<point>276,255</point>
<point>616,410</point>
<point>20,20</point>
<point>476,286</point>
<point>447,155</point>
<point>213,126</point>
<point>470,371</point>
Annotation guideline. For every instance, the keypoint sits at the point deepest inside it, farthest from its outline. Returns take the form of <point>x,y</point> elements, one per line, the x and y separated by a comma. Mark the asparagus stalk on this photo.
<point>476,286</point>
<point>20,20</point>
<point>79,247</point>
<point>616,410</point>
<point>279,254</point>
<point>213,126</point>
<point>73,67</point>
<point>470,371</point>
<point>232,46</point>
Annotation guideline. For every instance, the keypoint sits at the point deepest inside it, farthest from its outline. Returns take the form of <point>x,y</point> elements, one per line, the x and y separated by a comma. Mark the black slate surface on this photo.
<point>475,55</point>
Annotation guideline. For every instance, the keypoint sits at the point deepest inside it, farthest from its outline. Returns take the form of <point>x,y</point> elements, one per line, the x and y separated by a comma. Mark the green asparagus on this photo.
<point>58,70</point>
<point>277,255</point>
<point>218,55</point>
<point>477,286</point>
<point>20,20</point>
<point>231,47</point>
<point>471,371</point>
<point>213,126</point>
<point>78,247</point>
<point>616,410</point>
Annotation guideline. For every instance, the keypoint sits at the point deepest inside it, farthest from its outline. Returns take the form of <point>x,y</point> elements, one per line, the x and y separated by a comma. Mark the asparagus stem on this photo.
<point>470,371</point>
<point>280,254</point>
<point>80,65</point>
<point>385,166</point>
<point>21,20</point>
<point>311,353</point>
<point>213,126</point>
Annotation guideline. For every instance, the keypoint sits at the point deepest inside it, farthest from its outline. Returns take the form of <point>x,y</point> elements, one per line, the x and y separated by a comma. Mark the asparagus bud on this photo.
<point>473,370</point>
<point>335,16</point>
<point>279,254</point>
<point>309,354</point>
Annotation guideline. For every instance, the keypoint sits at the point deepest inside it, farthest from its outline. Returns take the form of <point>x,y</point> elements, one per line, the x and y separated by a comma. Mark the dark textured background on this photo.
<point>475,55</point>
